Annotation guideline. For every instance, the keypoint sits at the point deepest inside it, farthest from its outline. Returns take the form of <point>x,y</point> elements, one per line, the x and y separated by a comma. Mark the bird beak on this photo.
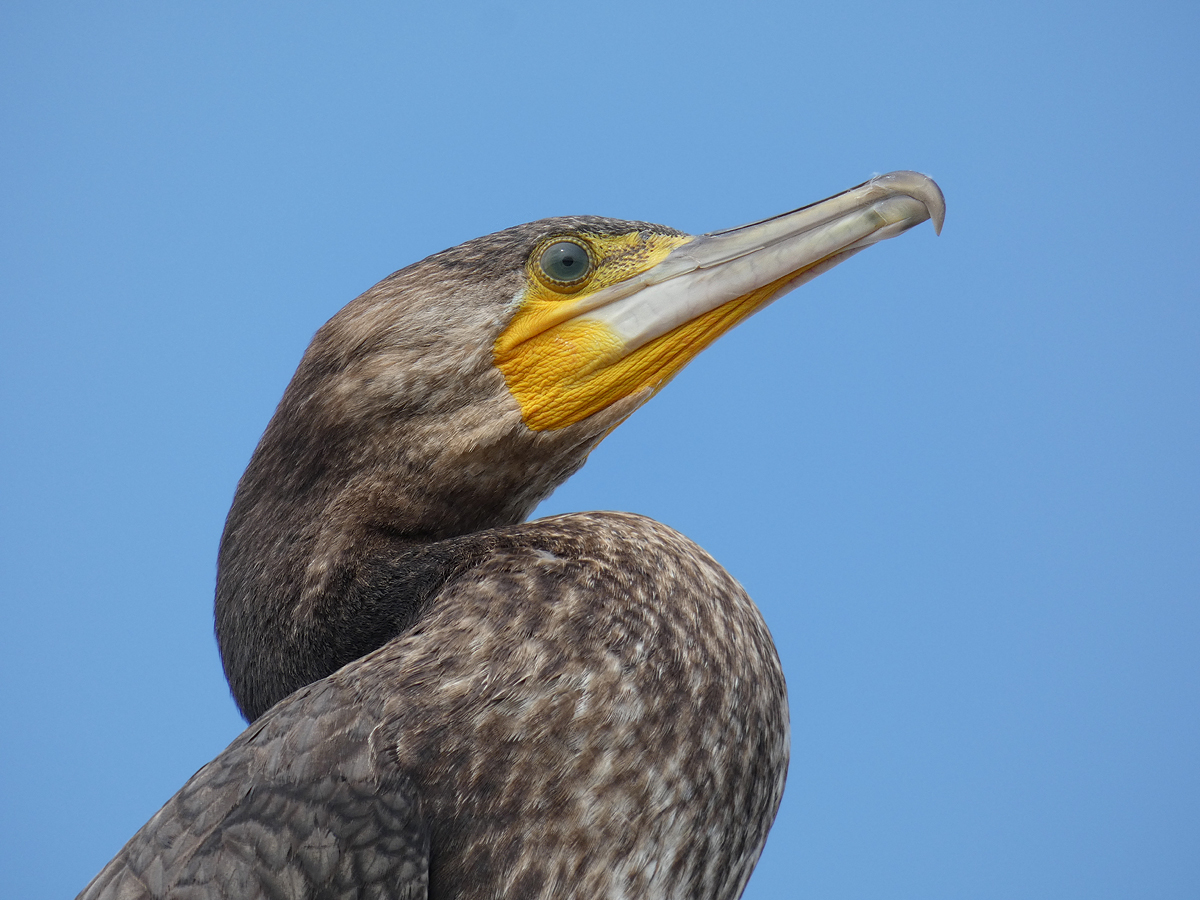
<point>638,333</point>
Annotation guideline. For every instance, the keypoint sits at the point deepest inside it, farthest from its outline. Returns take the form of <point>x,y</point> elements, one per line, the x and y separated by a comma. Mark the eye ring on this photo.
<point>563,263</point>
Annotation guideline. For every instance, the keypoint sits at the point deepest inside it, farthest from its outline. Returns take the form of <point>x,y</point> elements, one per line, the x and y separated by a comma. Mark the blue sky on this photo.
<point>958,474</point>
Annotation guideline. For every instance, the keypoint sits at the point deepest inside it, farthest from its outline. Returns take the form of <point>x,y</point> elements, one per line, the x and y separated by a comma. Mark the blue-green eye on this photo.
<point>565,263</point>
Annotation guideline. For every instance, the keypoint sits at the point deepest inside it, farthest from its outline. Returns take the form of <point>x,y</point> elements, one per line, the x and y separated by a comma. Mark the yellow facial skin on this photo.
<point>562,369</point>
<point>624,331</point>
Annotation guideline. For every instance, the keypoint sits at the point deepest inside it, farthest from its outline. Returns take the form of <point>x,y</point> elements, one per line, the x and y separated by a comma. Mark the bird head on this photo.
<point>467,386</point>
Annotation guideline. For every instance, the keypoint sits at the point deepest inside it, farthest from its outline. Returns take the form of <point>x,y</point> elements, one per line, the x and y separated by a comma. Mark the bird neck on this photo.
<point>338,534</point>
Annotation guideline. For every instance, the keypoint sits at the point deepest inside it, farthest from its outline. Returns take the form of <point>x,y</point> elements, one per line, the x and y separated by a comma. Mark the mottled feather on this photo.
<point>445,699</point>
<point>596,649</point>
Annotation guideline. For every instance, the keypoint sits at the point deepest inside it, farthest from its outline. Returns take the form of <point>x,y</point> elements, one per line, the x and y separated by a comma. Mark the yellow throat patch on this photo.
<point>562,367</point>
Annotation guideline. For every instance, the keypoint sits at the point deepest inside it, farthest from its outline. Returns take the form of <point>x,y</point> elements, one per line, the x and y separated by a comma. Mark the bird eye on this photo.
<point>565,263</point>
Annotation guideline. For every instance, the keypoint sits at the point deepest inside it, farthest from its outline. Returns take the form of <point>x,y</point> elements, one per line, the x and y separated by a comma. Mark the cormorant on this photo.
<point>445,700</point>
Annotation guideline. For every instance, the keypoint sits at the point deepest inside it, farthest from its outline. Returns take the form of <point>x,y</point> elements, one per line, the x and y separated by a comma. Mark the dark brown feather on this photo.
<point>445,699</point>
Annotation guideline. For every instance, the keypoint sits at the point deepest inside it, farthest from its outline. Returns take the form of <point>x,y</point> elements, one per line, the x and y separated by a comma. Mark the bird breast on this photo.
<point>601,694</point>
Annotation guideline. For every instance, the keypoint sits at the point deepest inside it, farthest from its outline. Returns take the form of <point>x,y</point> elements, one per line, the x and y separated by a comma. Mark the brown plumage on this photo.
<point>396,436</point>
<point>446,701</point>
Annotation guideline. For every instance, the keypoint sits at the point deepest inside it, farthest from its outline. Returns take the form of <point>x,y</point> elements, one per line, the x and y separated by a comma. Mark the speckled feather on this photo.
<point>596,709</point>
<point>598,712</point>
<point>444,699</point>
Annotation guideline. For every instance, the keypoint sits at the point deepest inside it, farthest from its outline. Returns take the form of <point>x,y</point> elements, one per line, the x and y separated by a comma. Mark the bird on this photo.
<point>444,699</point>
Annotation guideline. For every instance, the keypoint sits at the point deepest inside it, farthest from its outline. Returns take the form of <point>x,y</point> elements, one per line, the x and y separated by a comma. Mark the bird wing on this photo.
<point>300,807</point>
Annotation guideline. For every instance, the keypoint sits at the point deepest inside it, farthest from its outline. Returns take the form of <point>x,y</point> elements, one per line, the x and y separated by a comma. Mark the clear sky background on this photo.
<point>961,476</point>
